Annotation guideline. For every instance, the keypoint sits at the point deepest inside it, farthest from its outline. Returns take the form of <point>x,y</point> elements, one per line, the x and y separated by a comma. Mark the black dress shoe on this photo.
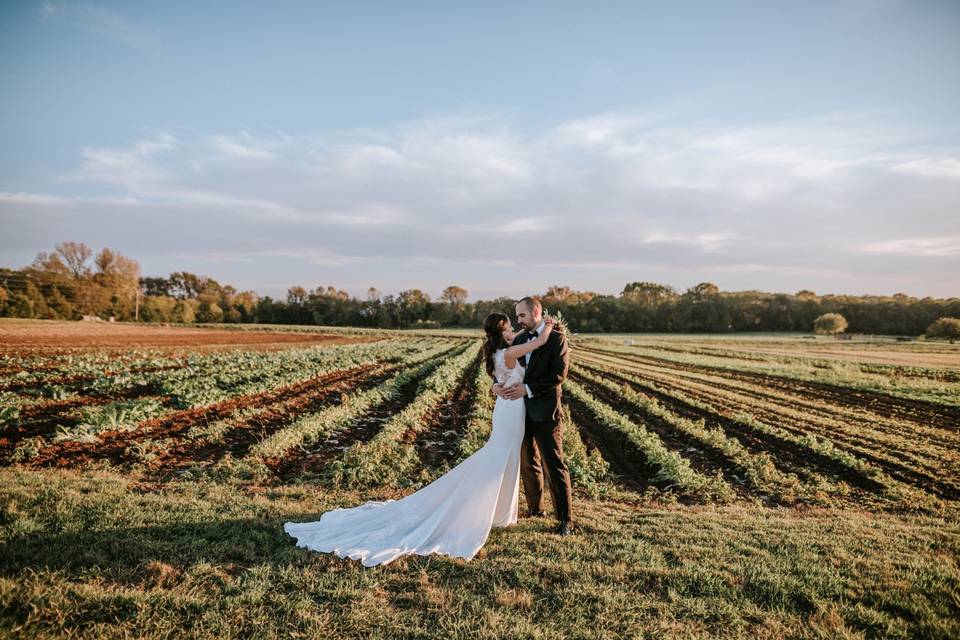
<point>538,514</point>
<point>564,529</point>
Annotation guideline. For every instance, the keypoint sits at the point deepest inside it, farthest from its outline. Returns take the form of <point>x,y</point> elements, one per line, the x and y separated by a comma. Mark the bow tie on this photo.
<point>534,333</point>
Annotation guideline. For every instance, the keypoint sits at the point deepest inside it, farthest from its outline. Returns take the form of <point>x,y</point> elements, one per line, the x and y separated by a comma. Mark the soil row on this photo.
<point>918,411</point>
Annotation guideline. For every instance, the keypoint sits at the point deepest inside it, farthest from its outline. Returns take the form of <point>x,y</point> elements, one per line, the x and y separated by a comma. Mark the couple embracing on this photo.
<point>453,514</point>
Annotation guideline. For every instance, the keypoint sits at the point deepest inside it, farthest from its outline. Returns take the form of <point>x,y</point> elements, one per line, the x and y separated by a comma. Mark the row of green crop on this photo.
<point>759,468</point>
<point>802,356</point>
<point>481,415</point>
<point>841,374</point>
<point>738,409</point>
<point>588,469</point>
<point>820,445</point>
<point>309,428</point>
<point>857,425</point>
<point>389,459</point>
<point>673,470</point>
<point>193,387</point>
<point>298,434</point>
<point>102,375</point>
<point>37,377</point>
<point>240,373</point>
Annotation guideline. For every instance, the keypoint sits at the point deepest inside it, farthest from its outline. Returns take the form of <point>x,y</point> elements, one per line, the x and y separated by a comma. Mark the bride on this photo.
<point>453,514</point>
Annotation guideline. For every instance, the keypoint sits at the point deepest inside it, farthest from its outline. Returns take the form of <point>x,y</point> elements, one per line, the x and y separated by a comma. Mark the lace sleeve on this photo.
<point>500,365</point>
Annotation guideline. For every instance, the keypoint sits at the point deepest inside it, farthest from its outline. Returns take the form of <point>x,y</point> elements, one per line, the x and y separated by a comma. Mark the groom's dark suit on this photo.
<point>546,369</point>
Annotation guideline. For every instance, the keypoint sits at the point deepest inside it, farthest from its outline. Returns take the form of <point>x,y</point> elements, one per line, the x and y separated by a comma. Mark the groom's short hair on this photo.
<point>532,303</point>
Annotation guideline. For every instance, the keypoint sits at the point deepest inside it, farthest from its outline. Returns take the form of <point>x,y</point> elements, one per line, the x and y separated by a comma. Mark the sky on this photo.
<point>503,147</point>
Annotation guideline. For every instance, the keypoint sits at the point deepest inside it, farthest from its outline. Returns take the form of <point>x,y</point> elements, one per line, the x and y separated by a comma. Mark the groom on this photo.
<point>546,369</point>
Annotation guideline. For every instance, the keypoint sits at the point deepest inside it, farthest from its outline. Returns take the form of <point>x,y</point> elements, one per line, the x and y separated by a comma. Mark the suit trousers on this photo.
<point>543,447</point>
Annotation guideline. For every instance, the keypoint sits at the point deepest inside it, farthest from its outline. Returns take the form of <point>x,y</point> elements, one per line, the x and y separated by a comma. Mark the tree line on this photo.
<point>71,282</point>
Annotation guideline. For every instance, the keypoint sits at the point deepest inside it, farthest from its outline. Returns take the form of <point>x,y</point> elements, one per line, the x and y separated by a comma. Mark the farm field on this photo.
<point>724,486</point>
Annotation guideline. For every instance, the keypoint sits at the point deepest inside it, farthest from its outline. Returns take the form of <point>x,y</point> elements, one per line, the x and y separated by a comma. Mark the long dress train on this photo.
<point>452,515</point>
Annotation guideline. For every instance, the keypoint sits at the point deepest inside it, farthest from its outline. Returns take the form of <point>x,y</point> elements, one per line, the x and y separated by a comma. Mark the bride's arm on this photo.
<point>510,355</point>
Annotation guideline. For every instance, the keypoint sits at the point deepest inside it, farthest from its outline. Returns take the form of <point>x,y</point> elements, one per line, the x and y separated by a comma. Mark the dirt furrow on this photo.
<point>628,466</point>
<point>867,432</point>
<point>113,445</point>
<point>703,458</point>
<point>788,456</point>
<point>913,410</point>
<point>800,428</point>
<point>308,463</point>
<point>437,442</point>
<point>246,432</point>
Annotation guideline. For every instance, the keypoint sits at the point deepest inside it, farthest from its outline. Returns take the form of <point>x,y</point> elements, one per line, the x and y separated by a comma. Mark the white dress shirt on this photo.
<point>539,333</point>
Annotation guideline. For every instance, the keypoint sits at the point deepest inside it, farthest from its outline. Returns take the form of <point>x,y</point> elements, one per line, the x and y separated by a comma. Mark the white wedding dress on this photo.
<point>452,515</point>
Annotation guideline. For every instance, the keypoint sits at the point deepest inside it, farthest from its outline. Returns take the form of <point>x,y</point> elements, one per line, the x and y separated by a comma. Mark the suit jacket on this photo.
<point>546,369</point>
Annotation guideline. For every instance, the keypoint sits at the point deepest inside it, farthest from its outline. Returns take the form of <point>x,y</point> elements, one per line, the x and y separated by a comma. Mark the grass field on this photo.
<point>724,486</point>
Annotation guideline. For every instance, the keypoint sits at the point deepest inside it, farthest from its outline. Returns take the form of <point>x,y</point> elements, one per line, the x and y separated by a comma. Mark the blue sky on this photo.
<point>502,147</point>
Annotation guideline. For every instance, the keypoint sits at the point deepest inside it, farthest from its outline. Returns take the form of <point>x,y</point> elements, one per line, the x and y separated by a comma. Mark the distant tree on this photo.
<point>648,293</point>
<point>830,324</point>
<point>186,285</point>
<point>62,307</point>
<point>703,291</point>
<point>296,295</point>
<point>156,287</point>
<point>412,305</point>
<point>246,303</point>
<point>556,293</point>
<point>75,255</point>
<point>49,268</point>
<point>208,311</point>
<point>184,311</point>
<point>948,328</point>
<point>38,304</point>
<point>158,308</point>
<point>454,296</point>
<point>119,280</point>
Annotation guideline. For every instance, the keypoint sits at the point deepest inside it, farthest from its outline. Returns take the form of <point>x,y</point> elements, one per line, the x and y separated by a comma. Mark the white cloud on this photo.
<point>237,149</point>
<point>930,167</point>
<point>520,225</point>
<point>927,247</point>
<point>593,193</point>
<point>311,255</point>
<point>30,198</point>
<point>705,241</point>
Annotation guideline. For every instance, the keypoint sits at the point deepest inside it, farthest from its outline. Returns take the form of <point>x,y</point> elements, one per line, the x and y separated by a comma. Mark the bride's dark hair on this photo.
<point>493,327</point>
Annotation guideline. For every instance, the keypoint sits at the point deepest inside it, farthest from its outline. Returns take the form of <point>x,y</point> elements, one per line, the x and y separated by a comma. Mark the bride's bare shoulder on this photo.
<point>508,363</point>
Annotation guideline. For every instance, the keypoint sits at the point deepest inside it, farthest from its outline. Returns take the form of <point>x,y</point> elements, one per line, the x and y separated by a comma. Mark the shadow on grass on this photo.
<point>247,541</point>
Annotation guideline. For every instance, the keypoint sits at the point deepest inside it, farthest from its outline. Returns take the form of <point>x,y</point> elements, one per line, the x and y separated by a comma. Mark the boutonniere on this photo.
<point>559,323</point>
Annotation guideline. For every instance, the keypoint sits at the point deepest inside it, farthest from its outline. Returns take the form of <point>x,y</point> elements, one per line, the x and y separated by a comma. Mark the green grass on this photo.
<point>87,554</point>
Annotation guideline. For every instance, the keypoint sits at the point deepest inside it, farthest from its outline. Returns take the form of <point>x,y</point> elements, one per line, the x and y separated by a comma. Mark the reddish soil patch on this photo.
<point>304,399</point>
<point>42,419</point>
<point>113,445</point>
<point>68,381</point>
<point>53,336</point>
